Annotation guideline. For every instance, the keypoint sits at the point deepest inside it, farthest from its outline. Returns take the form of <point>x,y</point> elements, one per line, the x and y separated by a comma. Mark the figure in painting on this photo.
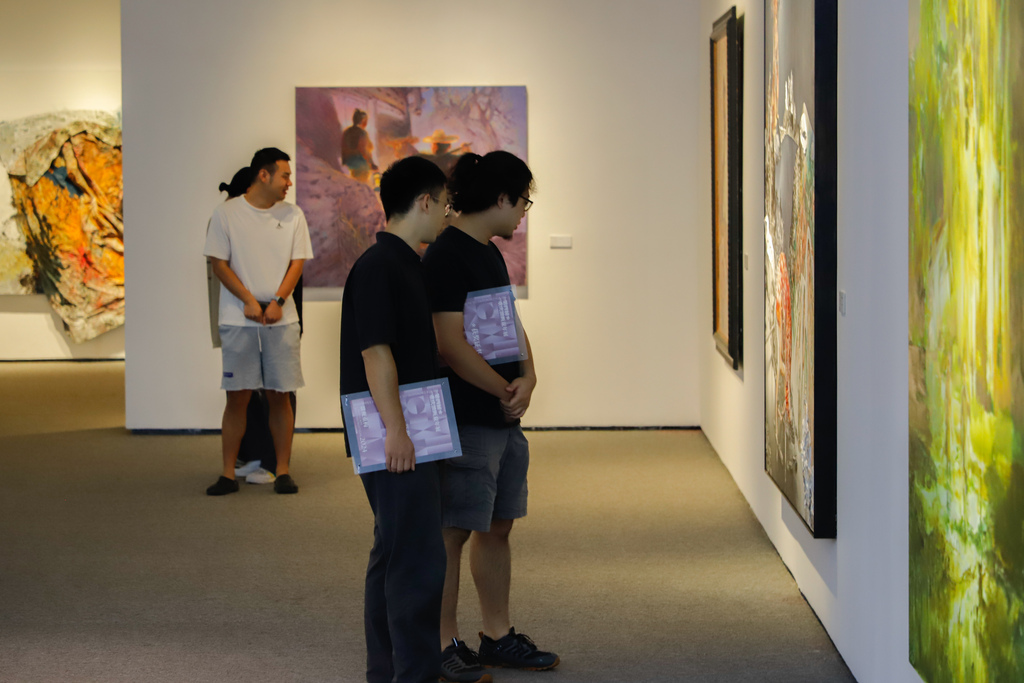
<point>356,148</point>
<point>441,152</point>
<point>404,147</point>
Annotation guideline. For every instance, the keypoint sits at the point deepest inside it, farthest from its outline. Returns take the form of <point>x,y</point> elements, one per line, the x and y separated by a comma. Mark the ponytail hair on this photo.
<point>477,182</point>
<point>240,182</point>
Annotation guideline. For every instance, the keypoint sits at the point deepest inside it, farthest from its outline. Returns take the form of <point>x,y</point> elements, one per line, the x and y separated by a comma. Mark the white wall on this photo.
<point>55,55</point>
<point>857,583</point>
<point>612,134</point>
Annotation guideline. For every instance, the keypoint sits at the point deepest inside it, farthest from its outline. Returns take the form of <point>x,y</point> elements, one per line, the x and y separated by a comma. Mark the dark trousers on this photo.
<point>257,442</point>
<point>405,576</point>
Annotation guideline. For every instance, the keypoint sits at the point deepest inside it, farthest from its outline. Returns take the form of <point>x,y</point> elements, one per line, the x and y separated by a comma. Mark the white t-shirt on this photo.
<point>259,245</point>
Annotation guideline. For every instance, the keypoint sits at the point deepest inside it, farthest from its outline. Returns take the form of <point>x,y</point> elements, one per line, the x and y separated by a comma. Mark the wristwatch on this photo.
<point>280,301</point>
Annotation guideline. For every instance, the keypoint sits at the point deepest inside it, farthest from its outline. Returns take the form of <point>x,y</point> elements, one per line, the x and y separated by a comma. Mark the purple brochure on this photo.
<point>492,326</point>
<point>429,421</point>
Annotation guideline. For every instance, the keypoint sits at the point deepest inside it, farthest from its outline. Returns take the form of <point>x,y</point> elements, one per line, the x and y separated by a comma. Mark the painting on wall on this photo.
<point>800,256</point>
<point>346,137</point>
<point>966,344</point>
<point>727,186</point>
<point>61,227</point>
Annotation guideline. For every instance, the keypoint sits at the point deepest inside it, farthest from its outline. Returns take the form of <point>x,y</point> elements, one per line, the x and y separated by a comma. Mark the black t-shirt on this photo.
<point>455,265</point>
<point>385,302</point>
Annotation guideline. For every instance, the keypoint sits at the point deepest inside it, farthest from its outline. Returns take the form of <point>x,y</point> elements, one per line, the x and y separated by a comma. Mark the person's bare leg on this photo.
<point>454,540</point>
<point>282,426</point>
<point>232,429</point>
<point>490,560</point>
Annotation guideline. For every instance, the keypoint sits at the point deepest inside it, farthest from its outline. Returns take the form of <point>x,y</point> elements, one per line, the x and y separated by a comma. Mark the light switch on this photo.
<point>842,302</point>
<point>561,241</point>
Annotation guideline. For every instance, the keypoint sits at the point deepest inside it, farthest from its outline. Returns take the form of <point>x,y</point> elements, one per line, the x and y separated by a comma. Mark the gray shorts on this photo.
<point>488,481</point>
<point>264,357</point>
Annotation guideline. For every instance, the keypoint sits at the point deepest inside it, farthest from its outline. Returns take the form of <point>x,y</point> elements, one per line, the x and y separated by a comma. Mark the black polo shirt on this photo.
<point>455,265</point>
<point>385,302</point>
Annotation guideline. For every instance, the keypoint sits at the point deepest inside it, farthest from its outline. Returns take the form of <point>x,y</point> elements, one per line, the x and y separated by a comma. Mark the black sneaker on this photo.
<point>285,484</point>
<point>459,664</point>
<point>223,487</point>
<point>515,651</point>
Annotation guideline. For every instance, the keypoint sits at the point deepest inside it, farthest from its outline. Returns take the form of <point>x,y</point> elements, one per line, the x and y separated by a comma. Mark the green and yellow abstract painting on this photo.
<point>966,340</point>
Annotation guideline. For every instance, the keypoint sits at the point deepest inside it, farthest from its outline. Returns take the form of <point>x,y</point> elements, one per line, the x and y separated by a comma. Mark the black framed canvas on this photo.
<point>727,185</point>
<point>800,256</point>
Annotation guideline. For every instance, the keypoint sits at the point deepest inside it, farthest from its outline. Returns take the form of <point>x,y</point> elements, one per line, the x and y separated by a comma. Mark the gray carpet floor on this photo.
<point>639,560</point>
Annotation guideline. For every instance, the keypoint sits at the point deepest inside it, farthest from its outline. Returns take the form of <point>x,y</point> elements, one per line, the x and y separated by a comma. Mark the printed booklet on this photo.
<point>492,326</point>
<point>429,420</point>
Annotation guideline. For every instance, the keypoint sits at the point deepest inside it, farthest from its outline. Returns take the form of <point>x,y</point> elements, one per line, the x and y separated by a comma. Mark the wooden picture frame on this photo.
<point>800,48</point>
<point>727,186</point>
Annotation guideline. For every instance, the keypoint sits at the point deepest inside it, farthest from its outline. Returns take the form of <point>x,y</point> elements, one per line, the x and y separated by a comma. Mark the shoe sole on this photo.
<point>217,494</point>
<point>522,668</point>
<point>486,678</point>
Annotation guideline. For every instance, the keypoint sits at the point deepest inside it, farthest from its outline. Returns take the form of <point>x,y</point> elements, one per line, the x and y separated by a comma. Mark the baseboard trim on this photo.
<point>332,430</point>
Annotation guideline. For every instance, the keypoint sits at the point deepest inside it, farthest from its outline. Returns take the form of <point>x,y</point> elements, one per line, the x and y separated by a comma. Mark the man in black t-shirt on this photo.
<point>387,339</point>
<point>484,490</point>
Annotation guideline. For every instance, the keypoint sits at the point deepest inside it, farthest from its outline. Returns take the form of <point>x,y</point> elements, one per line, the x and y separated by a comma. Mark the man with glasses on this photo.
<point>387,339</point>
<point>484,490</point>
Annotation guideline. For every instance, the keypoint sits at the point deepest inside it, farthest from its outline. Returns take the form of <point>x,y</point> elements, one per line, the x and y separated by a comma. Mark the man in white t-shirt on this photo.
<point>257,244</point>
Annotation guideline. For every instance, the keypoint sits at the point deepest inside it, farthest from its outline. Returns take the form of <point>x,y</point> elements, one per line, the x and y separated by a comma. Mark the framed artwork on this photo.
<point>966,340</point>
<point>346,137</point>
<point>727,186</point>
<point>61,219</point>
<point>800,256</point>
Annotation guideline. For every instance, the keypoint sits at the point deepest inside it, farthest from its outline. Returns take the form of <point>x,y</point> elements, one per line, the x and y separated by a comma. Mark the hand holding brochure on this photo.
<point>429,421</point>
<point>492,326</point>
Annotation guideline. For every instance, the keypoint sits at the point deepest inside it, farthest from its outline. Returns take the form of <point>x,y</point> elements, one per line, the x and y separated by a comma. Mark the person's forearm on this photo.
<point>227,276</point>
<point>382,377</point>
<point>291,278</point>
<point>462,358</point>
<point>529,370</point>
<point>465,362</point>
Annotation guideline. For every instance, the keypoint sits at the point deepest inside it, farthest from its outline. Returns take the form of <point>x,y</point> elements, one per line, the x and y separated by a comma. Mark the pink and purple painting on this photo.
<point>346,137</point>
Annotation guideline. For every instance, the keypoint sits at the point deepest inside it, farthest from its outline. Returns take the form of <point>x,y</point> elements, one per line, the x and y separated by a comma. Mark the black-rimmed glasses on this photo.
<point>529,202</point>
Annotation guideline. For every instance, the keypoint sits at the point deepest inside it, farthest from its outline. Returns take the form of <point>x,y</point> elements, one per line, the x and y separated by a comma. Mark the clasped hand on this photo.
<point>253,311</point>
<point>520,391</point>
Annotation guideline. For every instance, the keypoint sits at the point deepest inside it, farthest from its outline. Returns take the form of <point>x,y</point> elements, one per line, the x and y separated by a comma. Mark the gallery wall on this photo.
<point>613,101</point>
<point>55,55</point>
<point>857,584</point>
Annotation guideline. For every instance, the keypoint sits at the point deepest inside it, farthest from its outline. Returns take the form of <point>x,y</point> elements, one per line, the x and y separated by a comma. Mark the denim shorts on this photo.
<point>263,357</point>
<point>488,481</point>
